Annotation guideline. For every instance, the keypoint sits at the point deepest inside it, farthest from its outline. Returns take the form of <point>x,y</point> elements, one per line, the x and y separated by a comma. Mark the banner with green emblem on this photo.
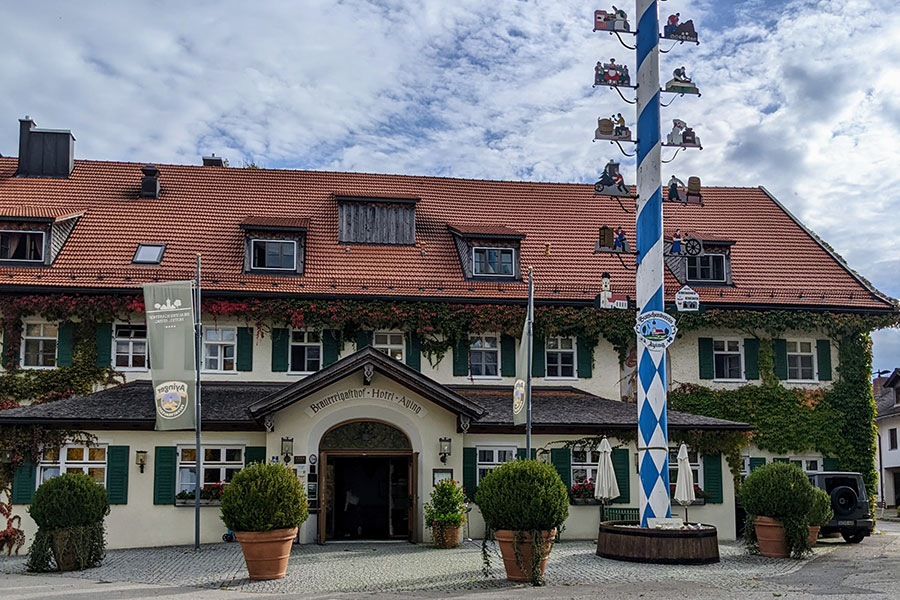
<point>170,337</point>
<point>522,387</point>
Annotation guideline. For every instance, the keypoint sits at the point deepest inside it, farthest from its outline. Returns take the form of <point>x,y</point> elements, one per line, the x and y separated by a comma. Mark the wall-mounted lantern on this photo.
<point>287,449</point>
<point>6,456</point>
<point>445,449</point>
<point>140,459</point>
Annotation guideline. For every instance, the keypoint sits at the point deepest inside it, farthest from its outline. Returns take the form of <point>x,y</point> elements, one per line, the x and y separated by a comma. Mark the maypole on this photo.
<point>653,436</point>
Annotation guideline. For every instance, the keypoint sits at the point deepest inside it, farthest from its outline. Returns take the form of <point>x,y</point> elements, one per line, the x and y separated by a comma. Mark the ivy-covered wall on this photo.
<point>837,422</point>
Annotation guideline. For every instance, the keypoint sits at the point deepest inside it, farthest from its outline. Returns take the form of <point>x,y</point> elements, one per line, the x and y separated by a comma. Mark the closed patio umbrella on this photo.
<point>606,488</point>
<point>684,486</point>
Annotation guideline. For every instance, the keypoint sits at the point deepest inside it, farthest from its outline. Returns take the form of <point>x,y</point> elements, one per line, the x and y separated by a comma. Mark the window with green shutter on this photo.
<point>117,474</point>
<point>830,463</point>
<point>623,474</point>
<point>413,351</point>
<point>245,349</point>
<point>521,453</point>
<point>539,356</point>
<point>561,459</point>
<point>280,349</point>
<point>507,355</point>
<point>461,358</point>
<point>165,460</point>
<point>779,348</point>
<point>24,481</point>
<point>363,339</point>
<point>64,344</point>
<point>712,478</point>
<point>470,472</point>
<point>585,358</point>
<point>103,343</point>
<point>756,463</point>
<point>823,357</point>
<point>330,349</point>
<point>254,454</point>
<point>751,358</point>
<point>707,361</point>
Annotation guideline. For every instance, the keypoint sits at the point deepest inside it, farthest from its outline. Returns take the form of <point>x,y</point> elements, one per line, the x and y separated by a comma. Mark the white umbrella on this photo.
<point>605,487</point>
<point>684,486</point>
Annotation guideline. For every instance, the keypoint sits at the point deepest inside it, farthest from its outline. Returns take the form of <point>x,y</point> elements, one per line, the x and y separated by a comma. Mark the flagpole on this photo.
<point>530,319</point>
<point>198,357</point>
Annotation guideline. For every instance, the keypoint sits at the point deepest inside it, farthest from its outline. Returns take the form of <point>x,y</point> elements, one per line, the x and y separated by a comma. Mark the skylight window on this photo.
<point>149,254</point>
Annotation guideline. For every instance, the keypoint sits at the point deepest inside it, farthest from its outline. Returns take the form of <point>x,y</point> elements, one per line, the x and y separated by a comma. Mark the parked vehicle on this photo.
<point>849,502</point>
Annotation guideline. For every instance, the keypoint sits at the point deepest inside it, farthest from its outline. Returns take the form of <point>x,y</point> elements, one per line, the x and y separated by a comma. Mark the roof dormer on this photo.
<point>488,252</point>
<point>377,220</point>
<point>274,245</point>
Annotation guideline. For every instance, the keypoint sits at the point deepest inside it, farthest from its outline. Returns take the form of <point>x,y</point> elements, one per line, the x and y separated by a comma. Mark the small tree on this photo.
<point>780,491</point>
<point>264,497</point>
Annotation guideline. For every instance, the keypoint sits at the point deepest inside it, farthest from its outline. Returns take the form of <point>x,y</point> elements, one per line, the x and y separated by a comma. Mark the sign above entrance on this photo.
<point>367,393</point>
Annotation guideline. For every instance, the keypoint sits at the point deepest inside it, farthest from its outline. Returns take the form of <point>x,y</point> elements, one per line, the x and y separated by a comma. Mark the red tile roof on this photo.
<point>775,261</point>
<point>485,231</point>
<point>276,222</point>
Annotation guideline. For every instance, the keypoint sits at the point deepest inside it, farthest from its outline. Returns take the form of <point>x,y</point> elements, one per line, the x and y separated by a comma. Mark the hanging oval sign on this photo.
<point>656,329</point>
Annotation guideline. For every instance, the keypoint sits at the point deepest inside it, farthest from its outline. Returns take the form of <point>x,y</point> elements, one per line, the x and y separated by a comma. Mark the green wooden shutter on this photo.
<point>520,453</point>
<point>164,474</point>
<point>413,351</point>
<point>585,358</point>
<point>781,460</point>
<point>823,352</point>
<point>245,349</point>
<point>363,339</point>
<point>103,340</point>
<point>330,350</point>
<point>830,463</point>
<point>64,344</point>
<point>561,458</point>
<point>751,358</point>
<point>461,358</point>
<point>507,355</point>
<point>756,463</point>
<point>23,483</point>
<point>117,474</point>
<point>254,454</point>
<point>281,342</point>
<point>712,477</point>
<point>538,356</point>
<point>707,363</point>
<point>470,472</point>
<point>623,475</point>
<point>780,349</point>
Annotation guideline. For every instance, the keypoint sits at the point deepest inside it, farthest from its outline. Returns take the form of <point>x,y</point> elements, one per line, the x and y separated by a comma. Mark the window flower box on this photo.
<point>190,502</point>
<point>209,495</point>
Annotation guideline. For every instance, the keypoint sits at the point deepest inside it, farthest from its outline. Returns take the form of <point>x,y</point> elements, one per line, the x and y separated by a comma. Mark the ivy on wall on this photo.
<point>837,422</point>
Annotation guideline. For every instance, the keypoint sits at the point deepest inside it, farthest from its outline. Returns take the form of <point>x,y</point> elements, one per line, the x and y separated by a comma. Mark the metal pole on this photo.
<point>652,442</point>
<point>530,319</point>
<point>198,357</point>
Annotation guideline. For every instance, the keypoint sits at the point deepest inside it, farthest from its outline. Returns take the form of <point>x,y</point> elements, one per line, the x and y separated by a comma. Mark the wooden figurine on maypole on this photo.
<point>613,129</point>
<point>674,29</point>
<point>682,135</point>
<point>611,182</point>
<point>614,20</point>
<point>611,73</point>
<point>681,83</point>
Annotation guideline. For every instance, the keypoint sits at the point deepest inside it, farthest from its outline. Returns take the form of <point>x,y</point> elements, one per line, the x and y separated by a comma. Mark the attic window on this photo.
<point>706,268</point>
<point>22,245</point>
<point>148,254</point>
<point>493,261</point>
<point>274,254</point>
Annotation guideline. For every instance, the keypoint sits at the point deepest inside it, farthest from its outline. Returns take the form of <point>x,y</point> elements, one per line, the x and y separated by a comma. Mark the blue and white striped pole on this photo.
<point>653,436</point>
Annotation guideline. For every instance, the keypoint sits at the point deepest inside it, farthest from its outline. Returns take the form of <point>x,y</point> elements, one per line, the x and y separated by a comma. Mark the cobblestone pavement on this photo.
<point>398,567</point>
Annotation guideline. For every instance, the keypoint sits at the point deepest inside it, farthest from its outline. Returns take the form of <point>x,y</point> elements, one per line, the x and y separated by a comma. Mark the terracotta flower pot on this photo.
<point>446,536</point>
<point>813,535</point>
<point>506,539</point>
<point>266,552</point>
<point>770,534</point>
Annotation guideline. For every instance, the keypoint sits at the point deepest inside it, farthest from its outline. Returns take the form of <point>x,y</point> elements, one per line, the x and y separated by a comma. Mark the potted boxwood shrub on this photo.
<point>524,503</point>
<point>820,512</point>
<point>69,512</point>
<point>777,498</point>
<point>265,505</point>
<point>445,513</point>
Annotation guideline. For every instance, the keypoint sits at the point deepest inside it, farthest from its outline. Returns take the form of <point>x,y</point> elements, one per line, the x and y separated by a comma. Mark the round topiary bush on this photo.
<point>523,495</point>
<point>69,512</point>
<point>264,497</point>
<point>780,491</point>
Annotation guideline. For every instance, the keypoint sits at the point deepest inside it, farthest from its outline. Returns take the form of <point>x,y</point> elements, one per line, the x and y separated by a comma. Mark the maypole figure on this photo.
<point>653,440</point>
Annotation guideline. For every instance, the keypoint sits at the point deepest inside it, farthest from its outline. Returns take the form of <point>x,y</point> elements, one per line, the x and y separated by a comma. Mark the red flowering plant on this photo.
<point>210,491</point>
<point>699,493</point>
<point>583,489</point>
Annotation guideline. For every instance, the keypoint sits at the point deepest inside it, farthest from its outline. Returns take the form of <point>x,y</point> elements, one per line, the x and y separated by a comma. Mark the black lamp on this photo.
<point>445,449</point>
<point>287,449</point>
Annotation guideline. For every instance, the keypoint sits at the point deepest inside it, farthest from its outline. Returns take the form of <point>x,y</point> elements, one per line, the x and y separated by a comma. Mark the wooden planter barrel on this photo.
<point>659,546</point>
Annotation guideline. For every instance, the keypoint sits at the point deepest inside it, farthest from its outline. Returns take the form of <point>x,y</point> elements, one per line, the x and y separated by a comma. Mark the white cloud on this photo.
<point>801,98</point>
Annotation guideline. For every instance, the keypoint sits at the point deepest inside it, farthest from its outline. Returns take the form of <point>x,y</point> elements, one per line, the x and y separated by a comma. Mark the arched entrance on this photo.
<point>369,482</point>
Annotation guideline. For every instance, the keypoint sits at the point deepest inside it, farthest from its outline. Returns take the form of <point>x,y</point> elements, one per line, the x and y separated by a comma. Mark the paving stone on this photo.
<point>398,567</point>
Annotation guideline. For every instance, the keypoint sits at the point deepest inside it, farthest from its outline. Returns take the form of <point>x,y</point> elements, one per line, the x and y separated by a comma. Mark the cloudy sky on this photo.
<point>801,97</point>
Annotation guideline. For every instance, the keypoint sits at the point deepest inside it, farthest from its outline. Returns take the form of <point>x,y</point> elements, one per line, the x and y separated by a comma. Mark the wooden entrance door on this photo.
<point>414,497</point>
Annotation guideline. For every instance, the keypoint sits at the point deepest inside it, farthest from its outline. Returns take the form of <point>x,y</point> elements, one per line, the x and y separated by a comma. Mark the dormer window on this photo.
<point>274,245</point>
<point>493,261</point>
<point>274,254</point>
<point>24,246</point>
<point>377,220</point>
<point>709,268</point>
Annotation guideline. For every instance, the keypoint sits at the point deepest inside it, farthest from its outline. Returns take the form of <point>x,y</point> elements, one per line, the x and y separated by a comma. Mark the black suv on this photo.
<point>849,502</point>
